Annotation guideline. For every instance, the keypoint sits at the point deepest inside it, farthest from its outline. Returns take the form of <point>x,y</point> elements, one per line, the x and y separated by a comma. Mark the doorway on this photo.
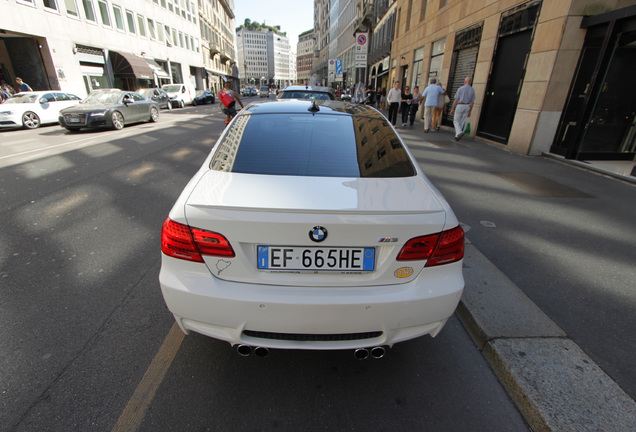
<point>599,118</point>
<point>516,30</point>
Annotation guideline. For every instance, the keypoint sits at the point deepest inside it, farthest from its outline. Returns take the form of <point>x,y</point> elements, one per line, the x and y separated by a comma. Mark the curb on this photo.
<point>553,383</point>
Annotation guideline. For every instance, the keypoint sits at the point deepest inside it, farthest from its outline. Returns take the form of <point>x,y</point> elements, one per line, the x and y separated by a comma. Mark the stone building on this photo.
<point>550,76</point>
<point>305,57</point>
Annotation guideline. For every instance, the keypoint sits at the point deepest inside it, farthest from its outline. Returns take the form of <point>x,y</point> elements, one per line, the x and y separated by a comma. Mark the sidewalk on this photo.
<point>553,382</point>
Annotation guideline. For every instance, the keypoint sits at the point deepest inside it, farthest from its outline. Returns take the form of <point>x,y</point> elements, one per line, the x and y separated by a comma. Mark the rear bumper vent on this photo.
<point>312,337</point>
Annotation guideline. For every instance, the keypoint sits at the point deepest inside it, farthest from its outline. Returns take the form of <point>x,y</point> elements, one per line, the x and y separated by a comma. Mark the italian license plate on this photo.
<point>74,120</point>
<point>312,258</point>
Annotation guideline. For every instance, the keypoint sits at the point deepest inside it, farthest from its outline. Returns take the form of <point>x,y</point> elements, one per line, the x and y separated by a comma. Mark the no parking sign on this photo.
<point>362,43</point>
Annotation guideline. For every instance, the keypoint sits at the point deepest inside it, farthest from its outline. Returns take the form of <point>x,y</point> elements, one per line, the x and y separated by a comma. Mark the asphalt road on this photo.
<point>87,342</point>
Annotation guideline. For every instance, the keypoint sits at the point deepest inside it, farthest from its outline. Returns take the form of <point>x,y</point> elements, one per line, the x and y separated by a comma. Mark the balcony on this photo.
<point>364,21</point>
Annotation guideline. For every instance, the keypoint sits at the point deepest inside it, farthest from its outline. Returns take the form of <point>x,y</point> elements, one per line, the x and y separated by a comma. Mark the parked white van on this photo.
<point>180,94</point>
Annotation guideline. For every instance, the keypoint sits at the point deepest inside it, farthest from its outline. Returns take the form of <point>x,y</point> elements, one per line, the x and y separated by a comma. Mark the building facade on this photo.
<point>216,21</point>
<point>305,57</point>
<point>550,76</point>
<point>78,46</point>
<point>322,18</point>
<point>264,57</point>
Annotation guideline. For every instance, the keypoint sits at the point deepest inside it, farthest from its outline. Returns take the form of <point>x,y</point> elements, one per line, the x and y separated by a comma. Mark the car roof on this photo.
<point>308,88</point>
<point>291,106</point>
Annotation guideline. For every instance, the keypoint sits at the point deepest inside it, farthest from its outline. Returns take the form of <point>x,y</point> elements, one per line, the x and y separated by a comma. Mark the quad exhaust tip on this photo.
<point>246,350</point>
<point>363,353</point>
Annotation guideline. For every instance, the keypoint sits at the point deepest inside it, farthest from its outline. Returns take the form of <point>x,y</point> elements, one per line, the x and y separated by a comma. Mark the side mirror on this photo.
<point>43,101</point>
<point>128,100</point>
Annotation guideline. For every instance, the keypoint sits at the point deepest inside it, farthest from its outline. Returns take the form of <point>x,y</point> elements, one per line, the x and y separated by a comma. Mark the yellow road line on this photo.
<point>133,414</point>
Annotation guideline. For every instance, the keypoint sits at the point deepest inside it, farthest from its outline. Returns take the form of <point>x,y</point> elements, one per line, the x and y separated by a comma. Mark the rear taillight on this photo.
<point>442,248</point>
<point>184,242</point>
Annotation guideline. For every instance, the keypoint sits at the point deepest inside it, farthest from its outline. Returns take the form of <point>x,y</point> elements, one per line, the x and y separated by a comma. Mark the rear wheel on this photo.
<point>154,114</point>
<point>181,104</point>
<point>169,105</point>
<point>30,120</point>
<point>118,120</point>
<point>194,103</point>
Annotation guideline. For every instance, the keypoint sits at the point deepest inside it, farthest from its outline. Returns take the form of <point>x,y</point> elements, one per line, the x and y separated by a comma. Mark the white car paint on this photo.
<point>31,109</point>
<point>229,298</point>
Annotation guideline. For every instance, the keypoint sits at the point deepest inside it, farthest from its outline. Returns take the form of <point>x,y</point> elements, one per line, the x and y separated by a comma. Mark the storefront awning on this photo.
<point>158,70</point>
<point>130,65</point>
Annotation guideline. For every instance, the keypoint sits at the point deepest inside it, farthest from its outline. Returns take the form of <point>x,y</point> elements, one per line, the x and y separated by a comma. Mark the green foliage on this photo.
<point>255,26</point>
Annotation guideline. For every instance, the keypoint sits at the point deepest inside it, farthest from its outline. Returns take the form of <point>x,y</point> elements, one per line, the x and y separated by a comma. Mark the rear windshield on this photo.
<point>302,94</point>
<point>312,145</point>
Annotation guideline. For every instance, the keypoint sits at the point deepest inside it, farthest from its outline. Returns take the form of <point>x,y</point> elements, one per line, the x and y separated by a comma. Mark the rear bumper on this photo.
<point>298,317</point>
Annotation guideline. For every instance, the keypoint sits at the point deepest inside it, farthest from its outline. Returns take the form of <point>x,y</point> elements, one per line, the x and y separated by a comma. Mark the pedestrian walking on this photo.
<point>383,99</point>
<point>394,98</point>
<point>405,106</point>
<point>22,86</point>
<point>430,95</point>
<point>228,98</point>
<point>439,109</point>
<point>415,104</point>
<point>462,107</point>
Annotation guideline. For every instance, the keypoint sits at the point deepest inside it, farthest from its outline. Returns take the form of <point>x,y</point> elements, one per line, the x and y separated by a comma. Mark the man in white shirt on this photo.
<point>394,98</point>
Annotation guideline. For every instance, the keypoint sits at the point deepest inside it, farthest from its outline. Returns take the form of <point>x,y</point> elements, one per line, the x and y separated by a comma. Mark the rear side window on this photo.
<point>312,145</point>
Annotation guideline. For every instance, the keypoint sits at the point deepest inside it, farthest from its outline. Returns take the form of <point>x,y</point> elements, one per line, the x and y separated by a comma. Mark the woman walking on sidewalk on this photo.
<point>415,104</point>
<point>405,108</point>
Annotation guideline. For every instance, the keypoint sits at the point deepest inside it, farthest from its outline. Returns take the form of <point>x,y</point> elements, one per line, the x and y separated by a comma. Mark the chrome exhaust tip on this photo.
<point>261,352</point>
<point>361,353</point>
<point>244,350</point>
<point>378,352</point>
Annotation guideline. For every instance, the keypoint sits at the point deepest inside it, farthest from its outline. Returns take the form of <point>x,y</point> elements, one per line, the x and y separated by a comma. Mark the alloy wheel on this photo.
<point>30,120</point>
<point>118,120</point>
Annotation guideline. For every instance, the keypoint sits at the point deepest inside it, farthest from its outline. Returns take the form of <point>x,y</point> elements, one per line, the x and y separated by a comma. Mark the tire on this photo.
<point>194,103</point>
<point>169,105</point>
<point>181,104</point>
<point>117,120</point>
<point>154,114</point>
<point>30,120</point>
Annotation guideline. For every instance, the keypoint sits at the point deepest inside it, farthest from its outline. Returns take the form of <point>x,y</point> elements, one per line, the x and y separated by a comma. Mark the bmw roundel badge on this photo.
<point>318,234</point>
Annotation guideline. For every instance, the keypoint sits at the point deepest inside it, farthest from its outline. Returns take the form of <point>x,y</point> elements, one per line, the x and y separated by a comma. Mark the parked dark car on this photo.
<point>109,108</point>
<point>158,95</point>
<point>203,97</point>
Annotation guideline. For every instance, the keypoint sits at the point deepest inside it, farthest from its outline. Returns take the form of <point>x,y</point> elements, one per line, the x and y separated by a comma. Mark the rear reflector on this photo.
<point>184,242</point>
<point>442,248</point>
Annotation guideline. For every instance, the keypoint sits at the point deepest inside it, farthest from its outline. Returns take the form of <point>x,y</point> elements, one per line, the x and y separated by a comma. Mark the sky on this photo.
<point>293,16</point>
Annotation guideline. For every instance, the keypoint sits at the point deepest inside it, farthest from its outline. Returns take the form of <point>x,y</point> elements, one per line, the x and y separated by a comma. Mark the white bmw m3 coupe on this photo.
<point>311,226</point>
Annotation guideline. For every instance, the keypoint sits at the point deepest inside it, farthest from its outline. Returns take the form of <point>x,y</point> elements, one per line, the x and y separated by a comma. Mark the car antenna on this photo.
<point>314,107</point>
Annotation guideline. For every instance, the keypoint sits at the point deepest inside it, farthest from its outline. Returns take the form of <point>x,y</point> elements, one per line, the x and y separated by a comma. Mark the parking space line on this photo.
<point>134,412</point>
